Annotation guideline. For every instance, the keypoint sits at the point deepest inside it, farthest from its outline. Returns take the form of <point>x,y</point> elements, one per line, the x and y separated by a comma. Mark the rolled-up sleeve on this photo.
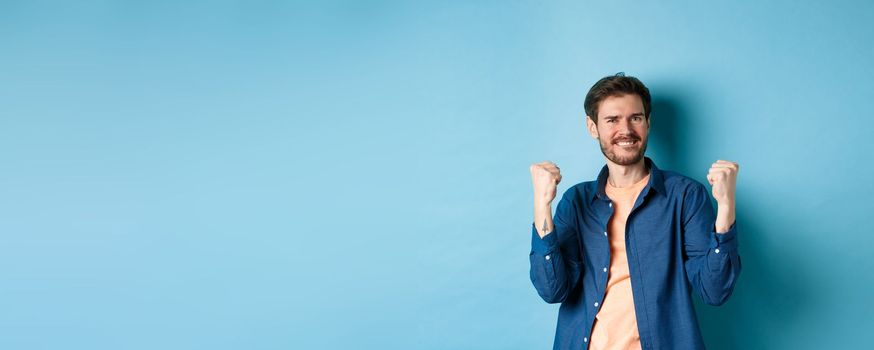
<point>712,259</point>
<point>555,258</point>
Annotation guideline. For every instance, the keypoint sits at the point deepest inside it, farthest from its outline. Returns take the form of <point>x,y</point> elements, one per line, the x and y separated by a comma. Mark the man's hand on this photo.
<point>545,177</point>
<point>723,178</point>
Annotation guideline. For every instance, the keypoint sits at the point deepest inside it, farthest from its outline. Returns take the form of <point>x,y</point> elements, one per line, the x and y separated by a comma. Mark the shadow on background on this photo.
<point>767,296</point>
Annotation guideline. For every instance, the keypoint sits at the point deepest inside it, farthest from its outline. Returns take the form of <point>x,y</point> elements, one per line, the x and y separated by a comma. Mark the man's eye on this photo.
<point>611,120</point>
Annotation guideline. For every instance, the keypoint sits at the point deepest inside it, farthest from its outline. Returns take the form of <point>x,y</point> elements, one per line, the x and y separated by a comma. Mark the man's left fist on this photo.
<point>723,177</point>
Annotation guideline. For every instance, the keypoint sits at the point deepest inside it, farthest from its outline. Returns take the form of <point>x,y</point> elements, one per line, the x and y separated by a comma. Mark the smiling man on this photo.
<point>624,253</point>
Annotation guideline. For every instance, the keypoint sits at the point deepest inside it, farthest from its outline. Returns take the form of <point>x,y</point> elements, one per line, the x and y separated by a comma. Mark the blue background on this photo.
<point>337,175</point>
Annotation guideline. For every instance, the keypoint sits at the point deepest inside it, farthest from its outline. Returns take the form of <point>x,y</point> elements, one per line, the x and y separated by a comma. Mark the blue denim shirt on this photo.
<point>672,249</point>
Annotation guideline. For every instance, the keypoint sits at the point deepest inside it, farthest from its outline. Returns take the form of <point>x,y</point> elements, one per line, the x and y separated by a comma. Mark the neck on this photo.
<point>626,175</point>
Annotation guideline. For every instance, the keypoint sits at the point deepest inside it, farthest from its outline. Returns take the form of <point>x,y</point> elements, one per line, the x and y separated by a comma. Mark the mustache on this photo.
<point>629,137</point>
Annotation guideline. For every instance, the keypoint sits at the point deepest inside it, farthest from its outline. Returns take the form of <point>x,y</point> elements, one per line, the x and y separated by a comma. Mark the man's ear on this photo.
<point>592,127</point>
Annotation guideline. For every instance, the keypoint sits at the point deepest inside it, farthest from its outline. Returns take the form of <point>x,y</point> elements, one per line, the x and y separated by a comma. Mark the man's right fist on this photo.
<point>545,176</point>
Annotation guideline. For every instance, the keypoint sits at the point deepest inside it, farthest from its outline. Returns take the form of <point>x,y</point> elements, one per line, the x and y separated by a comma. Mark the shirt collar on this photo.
<point>656,181</point>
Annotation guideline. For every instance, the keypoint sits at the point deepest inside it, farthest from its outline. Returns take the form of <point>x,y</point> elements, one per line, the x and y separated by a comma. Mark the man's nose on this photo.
<point>624,126</point>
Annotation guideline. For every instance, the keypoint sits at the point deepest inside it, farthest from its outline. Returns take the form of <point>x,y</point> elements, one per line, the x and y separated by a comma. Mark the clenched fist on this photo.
<point>723,177</point>
<point>545,177</point>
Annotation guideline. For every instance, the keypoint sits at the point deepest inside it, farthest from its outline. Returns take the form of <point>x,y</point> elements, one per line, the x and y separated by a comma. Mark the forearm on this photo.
<point>723,178</point>
<point>724,217</point>
<point>543,218</point>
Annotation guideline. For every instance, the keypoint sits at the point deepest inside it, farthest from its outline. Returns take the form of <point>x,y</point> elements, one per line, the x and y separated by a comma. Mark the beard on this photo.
<point>609,149</point>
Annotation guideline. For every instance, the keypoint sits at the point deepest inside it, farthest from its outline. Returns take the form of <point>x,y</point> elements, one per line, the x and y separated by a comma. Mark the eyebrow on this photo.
<point>633,115</point>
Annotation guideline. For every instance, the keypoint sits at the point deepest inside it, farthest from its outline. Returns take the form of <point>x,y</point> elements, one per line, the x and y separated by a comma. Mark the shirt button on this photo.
<point>717,250</point>
<point>585,340</point>
<point>605,233</point>
<point>605,269</point>
<point>596,305</point>
<point>610,205</point>
<point>547,258</point>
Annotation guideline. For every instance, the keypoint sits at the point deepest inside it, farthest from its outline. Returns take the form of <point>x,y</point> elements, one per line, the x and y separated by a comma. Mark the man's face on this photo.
<point>622,129</point>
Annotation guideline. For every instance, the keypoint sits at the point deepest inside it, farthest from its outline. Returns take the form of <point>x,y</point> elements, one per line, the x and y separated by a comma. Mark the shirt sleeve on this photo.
<point>711,259</point>
<point>555,258</point>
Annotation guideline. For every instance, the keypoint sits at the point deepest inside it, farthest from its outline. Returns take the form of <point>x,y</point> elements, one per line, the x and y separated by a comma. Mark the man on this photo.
<point>624,253</point>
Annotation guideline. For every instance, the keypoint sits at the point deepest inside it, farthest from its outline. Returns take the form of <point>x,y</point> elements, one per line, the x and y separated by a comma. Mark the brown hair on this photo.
<point>616,85</point>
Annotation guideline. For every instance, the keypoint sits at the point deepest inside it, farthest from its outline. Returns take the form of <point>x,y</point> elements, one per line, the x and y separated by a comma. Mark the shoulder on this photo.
<point>680,185</point>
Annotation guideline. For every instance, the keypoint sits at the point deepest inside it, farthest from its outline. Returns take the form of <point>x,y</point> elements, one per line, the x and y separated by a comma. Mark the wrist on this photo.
<point>540,214</point>
<point>725,205</point>
<point>722,226</point>
<point>725,217</point>
<point>543,205</point>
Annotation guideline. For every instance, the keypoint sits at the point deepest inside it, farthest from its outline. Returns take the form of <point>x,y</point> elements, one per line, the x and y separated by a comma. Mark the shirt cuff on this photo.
<point>727,240</point>
<point>545,245</point>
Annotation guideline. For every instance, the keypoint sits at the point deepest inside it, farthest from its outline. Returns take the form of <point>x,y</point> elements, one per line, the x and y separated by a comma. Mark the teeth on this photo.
<point>625,143</point>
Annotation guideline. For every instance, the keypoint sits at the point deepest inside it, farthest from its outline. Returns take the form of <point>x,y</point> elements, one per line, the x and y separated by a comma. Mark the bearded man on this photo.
<point>624,253</point>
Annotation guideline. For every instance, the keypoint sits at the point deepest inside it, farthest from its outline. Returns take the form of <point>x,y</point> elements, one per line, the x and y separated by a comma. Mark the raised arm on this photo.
<point>710,241</point>
<point>554,256</point>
